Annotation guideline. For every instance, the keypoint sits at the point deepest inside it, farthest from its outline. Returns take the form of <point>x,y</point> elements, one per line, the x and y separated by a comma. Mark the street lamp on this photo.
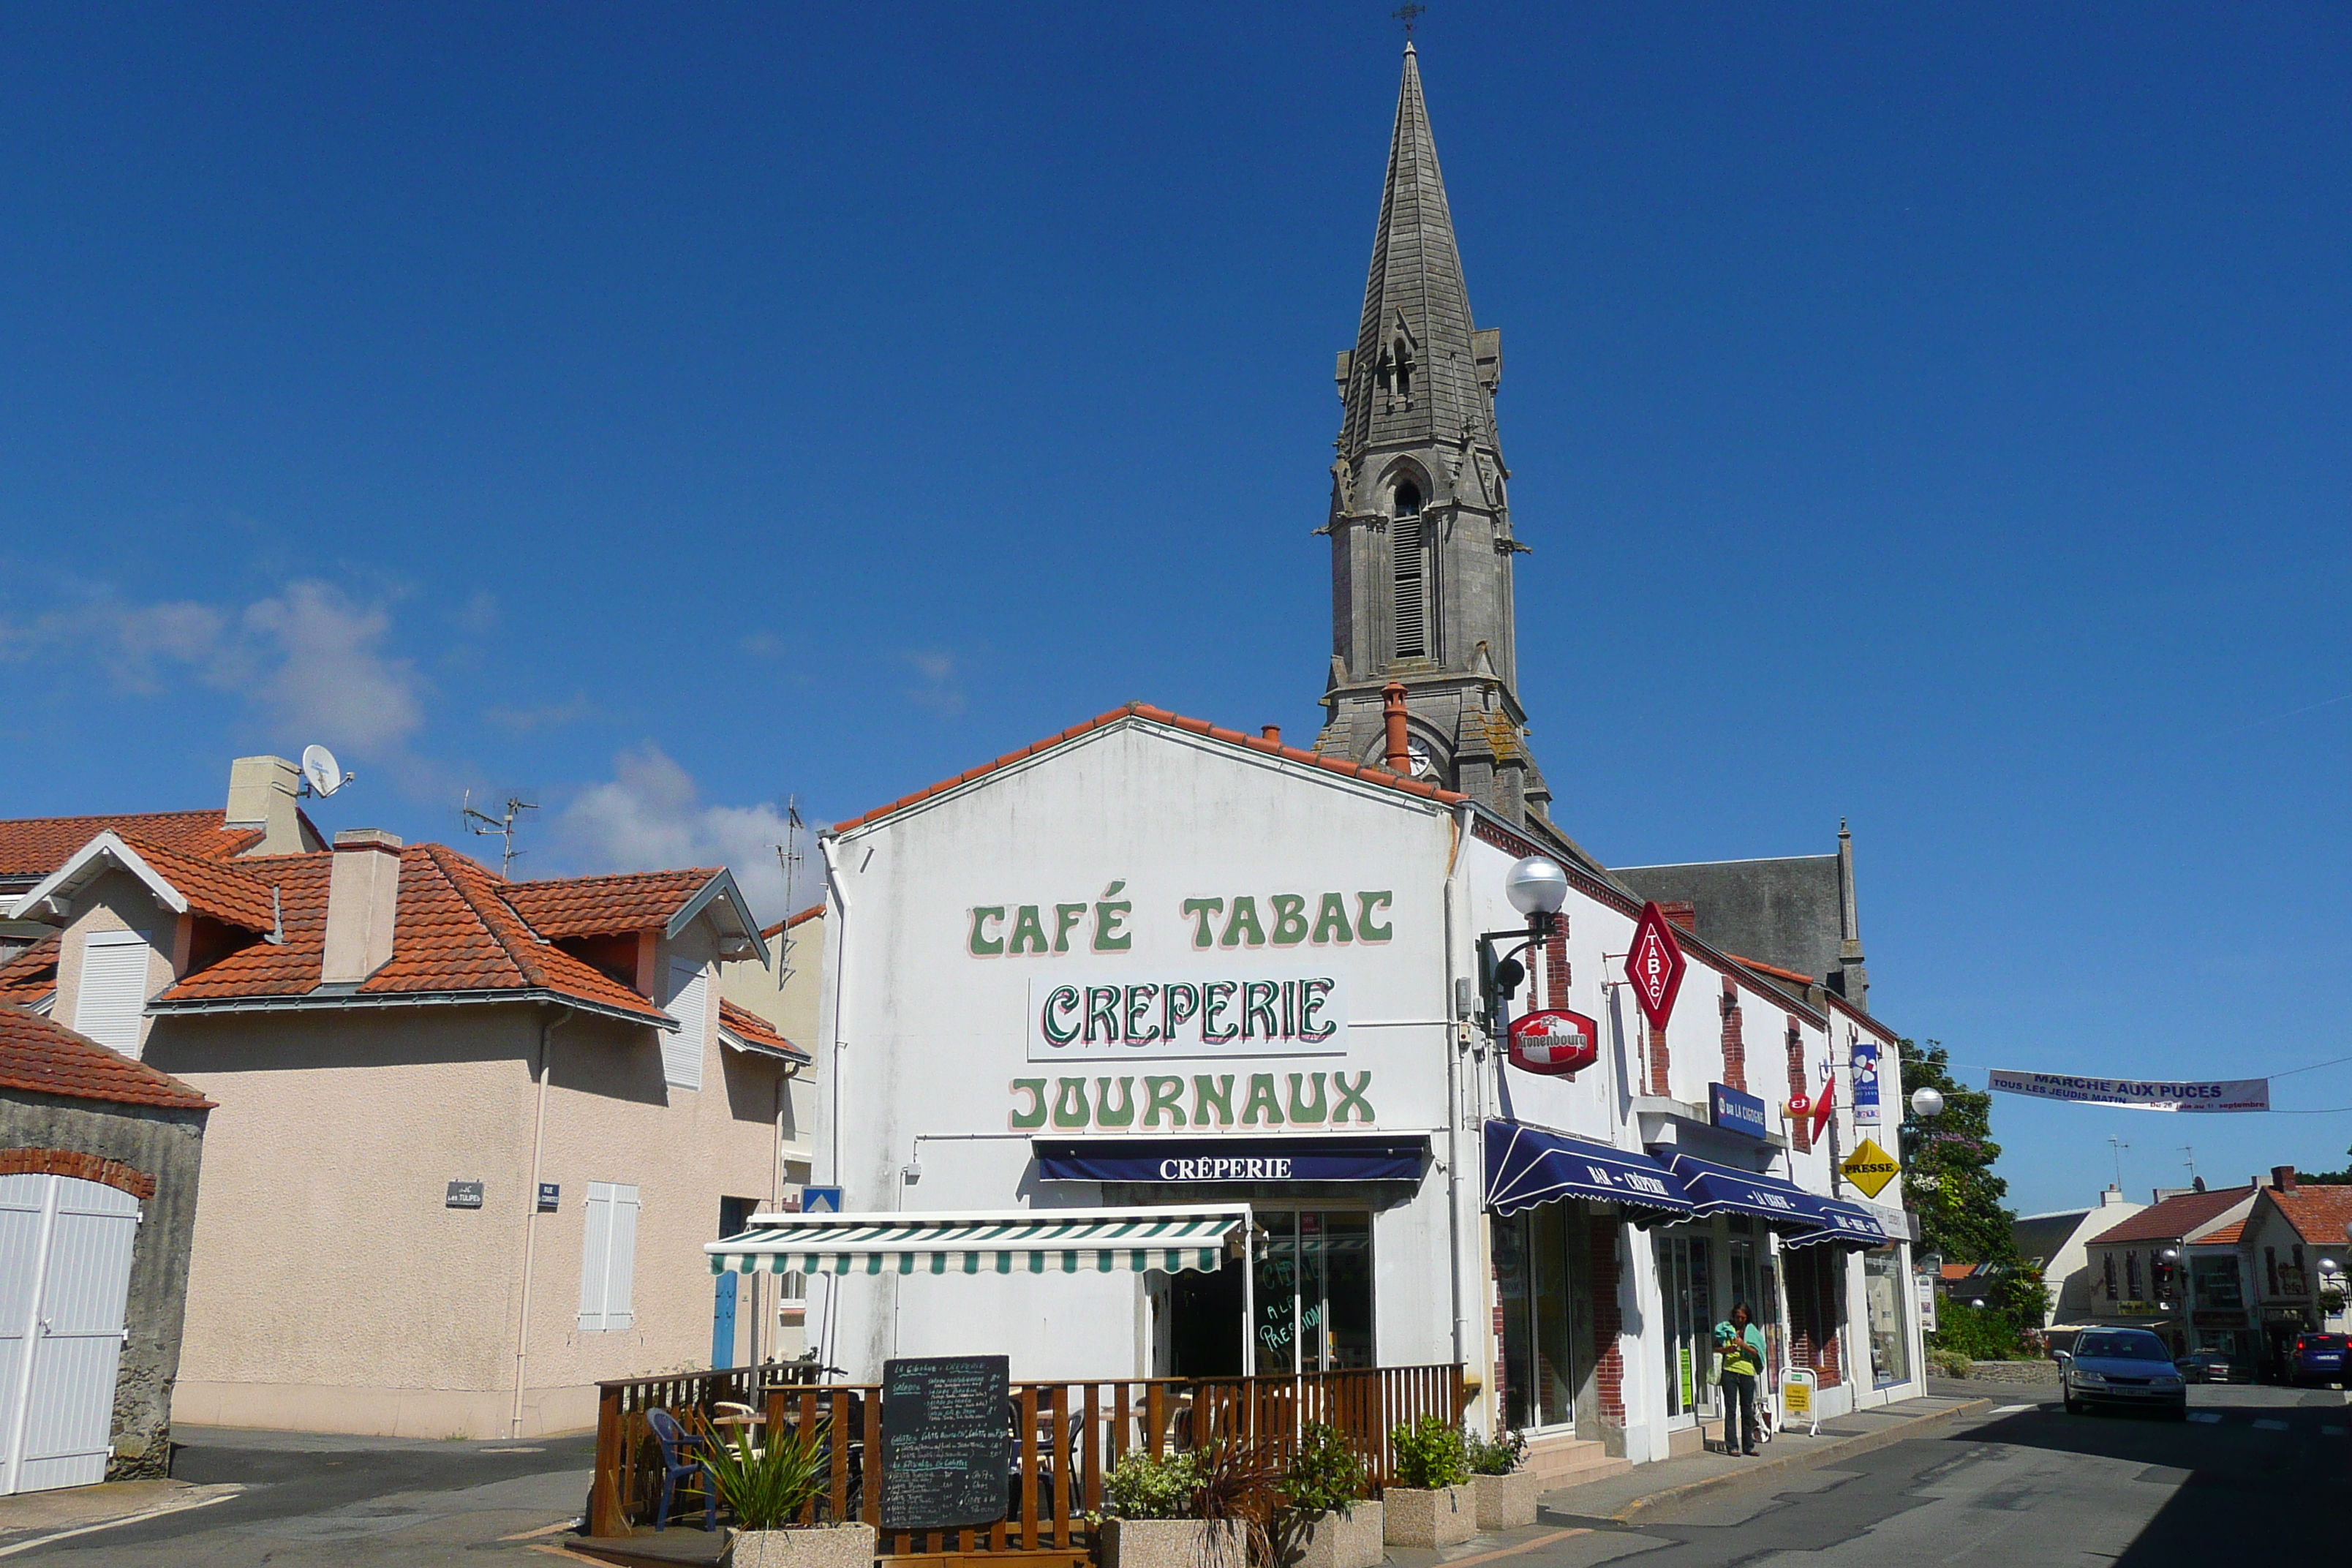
<point>1926,1103</point>
<point>1537,888</point>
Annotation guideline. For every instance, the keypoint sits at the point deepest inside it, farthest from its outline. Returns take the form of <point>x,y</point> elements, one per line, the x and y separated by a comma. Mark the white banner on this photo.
<point>2138,1094</point>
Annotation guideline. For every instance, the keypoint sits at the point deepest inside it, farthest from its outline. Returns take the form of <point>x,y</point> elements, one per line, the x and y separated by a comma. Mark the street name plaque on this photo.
<point>946,1441</point>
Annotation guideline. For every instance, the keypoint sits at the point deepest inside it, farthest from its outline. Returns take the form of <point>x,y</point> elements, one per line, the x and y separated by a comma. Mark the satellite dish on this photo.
<point>321,770</point>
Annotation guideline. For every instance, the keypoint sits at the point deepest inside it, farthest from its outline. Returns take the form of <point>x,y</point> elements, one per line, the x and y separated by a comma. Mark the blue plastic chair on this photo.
<point>679,1460</point>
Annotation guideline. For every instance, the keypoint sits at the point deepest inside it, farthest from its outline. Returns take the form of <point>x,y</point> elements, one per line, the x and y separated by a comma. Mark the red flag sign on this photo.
<point>1824,1105</point>
<point>1656,964</point>
<point>1555,1042</point>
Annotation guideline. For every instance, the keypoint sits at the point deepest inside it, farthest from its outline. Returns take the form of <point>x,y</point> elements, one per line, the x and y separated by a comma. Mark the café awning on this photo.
<point>1719,1189</point>
<point>1021,1241</point>
<point>1528,1166</point>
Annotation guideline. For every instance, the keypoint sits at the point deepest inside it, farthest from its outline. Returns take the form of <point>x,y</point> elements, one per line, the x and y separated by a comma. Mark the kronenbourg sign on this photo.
<point>2138,1094</point>
<point>1554,1042</point>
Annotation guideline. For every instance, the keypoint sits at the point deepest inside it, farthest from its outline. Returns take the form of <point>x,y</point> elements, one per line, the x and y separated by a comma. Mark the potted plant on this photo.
<point>1506,1494</point>
<point>1325,1521</point>
<point>766,1489</point>
<point>1205,1508</point>
<point>1431,1504</point>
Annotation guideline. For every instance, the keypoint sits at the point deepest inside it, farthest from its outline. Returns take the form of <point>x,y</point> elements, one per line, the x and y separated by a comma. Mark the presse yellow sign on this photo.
<point>1871,1168</point>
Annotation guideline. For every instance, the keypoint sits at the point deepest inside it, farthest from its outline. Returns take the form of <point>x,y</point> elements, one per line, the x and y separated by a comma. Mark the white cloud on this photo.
<point>651,816</point>
<point>941,691</point>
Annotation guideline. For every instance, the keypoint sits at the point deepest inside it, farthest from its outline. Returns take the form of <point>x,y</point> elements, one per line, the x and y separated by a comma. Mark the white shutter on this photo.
<point>608,1257</point>
<point>690,1004</point>
<point>620,1263</point>
<point>113,988</point>
<point>596,1246</point>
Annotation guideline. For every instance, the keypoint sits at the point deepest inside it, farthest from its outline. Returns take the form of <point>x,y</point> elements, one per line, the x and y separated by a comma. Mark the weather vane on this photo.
<point>1408,15</point>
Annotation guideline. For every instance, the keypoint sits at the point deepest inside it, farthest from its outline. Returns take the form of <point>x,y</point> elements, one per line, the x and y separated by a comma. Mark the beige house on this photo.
<point>471,1134</point>
<point>783,990</point>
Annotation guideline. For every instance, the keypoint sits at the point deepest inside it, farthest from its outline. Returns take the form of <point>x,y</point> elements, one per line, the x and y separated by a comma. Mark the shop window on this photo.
<point>608,1257</point>
<point>1882,1294</point>
<point>1531,1277</point>
<point>2216,1283</point>
<point>1314,1292</point>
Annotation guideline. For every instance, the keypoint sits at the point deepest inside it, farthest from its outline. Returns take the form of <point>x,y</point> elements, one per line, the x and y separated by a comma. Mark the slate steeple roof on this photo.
<point>1415,299</point>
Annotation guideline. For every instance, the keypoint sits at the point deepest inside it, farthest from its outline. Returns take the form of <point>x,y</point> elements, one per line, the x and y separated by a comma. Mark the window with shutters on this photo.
<point>690,1004</point>
<point>113,988</point>
<point>1411,581</point>
<point>2131,1275</point>
<point>608,1257</point>
<point>2108,1273</point>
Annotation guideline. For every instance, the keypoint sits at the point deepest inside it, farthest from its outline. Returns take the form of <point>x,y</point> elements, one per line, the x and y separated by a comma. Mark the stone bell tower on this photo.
<point>1421,521</point>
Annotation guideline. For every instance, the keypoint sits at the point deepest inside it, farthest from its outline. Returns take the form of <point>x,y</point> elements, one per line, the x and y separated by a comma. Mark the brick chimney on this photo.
<point>261,794</point>
<point>1681,912</point>
<point>363,900</point>
<point>2282,1177</point>
<point>1400,759</point>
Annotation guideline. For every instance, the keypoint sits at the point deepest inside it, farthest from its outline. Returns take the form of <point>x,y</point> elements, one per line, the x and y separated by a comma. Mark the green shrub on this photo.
<point>1325,1476</point>
<point>1430,1455</point>
<point>1980,1333</point>
<point>1497,1457</point>
<point>1141,1487</point>
<point>765,1489</point>
<point>1951,1364</point>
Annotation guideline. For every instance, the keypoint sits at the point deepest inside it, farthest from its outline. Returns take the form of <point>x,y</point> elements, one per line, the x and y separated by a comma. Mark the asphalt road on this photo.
<point>2256,1474</point>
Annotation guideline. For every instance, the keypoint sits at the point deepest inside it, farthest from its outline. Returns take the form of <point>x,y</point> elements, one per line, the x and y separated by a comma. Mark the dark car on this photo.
<point>2122,1366</point>
<point>2319,1358</point>
<point>2209,1366</point>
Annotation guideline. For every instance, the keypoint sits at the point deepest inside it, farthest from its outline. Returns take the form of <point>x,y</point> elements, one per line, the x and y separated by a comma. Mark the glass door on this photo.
<point>1532,1277</point>
<point>1686,1301</point>
<point>1314,1290</point>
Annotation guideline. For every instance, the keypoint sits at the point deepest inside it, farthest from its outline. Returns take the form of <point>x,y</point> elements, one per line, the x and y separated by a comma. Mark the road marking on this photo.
<point>510,1450</point>
<point>1490,1556</point>
<point>544,1529</point>
<point>2205,1416</point>
<point>2270,1426</point>
<point>2013,1409</point>
<point>177,1507</point>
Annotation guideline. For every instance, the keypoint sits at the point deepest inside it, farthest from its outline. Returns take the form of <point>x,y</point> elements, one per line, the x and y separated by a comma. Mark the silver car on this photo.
<point>2122,1366</point>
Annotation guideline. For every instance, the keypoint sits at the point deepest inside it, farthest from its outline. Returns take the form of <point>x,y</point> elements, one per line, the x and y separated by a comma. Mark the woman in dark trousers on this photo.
<point>1740,1343</point>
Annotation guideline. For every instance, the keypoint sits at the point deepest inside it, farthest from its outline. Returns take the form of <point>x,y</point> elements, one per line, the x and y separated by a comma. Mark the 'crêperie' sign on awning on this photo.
<point>2138,1094</point>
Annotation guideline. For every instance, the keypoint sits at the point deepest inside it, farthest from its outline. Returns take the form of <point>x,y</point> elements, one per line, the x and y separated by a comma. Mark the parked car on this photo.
<point>2210,1366</point>
<point>2319,1358</point>
<point>2122,1366</point>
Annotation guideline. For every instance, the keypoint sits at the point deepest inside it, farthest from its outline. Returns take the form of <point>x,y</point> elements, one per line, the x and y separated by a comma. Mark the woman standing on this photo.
<point>1740,1343</point>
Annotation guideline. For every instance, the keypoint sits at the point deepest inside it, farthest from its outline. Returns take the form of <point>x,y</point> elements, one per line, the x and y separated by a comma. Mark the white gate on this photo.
<point>65,1272</point>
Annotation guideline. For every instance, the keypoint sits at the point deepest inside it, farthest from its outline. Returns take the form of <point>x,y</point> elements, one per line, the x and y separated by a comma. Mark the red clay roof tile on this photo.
<point>746,1024</point>
<point>32,974</point>
<point>602,906</point>
<point>225,891</point>
<point>36,845</point>
<point>2175,1218</point>
<point>40,1056</point>
<point>2319,1211</point>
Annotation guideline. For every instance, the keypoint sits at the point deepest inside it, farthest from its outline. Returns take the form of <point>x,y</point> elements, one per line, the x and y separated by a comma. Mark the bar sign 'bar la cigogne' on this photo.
<point>1654,965</point>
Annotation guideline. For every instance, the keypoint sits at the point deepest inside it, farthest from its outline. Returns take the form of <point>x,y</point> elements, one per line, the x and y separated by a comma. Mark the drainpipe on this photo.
<point>837,946</point>
<point>1452,1047</point>
<point>531,1218</point>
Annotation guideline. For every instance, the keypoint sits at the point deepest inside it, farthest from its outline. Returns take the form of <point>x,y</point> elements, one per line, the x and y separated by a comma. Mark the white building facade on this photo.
<point>1152,965</point>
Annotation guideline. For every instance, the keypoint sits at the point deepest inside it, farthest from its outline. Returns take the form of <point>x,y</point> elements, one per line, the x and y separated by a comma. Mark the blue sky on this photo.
<point>1938,417</point>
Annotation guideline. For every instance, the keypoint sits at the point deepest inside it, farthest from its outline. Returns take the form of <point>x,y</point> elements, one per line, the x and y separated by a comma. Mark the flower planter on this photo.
<point>1505,1502</point>
<point>816,1546</point>
<point>1170,1544</point>
<point>1356,1539</point>
<point>1446,1517</point>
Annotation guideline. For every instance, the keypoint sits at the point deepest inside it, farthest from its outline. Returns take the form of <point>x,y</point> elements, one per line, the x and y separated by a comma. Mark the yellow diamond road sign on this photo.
<point>1871,1168</point>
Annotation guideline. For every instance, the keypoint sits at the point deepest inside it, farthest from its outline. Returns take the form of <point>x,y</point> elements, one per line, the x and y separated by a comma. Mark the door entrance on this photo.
<point>1686,1293</point>
<point>1531,1275</point>
<point>65,1274</point>
<point>1204,1323</point>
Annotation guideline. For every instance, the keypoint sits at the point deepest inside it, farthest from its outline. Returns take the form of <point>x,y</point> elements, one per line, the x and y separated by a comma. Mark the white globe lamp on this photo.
<point>1537,888</point>
<point>1926,1103</point>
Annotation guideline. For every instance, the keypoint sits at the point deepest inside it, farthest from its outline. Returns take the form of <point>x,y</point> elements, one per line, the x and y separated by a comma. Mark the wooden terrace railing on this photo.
<point>1069,1436</point>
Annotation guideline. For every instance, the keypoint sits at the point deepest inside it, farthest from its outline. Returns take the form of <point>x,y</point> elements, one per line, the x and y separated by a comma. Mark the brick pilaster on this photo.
<point>1556,971</point>
<point>1608,1321</point>
<point>1800,1130</point>
<point>1659,1062</point>
<point>1735,1050</point>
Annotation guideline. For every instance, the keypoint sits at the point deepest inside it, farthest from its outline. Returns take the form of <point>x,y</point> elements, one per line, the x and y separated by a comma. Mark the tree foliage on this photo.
<point>1948,1181</point>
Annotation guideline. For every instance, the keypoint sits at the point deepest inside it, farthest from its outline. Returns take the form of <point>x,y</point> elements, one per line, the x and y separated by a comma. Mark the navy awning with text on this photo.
<point>1189,1162</point>
<point>1848,1225</point>
<point>1530,1165</point>
<point>1719,1189</point>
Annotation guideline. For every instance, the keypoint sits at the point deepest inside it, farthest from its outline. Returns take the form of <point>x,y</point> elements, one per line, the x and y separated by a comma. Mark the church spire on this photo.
<point>1420,522</point>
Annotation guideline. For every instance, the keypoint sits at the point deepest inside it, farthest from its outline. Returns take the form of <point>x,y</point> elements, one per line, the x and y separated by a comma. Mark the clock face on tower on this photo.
<point>1423,764</point>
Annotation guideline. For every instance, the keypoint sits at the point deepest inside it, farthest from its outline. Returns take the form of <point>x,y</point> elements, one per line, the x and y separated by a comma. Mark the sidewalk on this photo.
<point>29,1519</point>
<point>1646,1488</point>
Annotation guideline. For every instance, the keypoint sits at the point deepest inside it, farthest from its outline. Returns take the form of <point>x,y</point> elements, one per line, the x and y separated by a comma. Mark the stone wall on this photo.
<point>2014,1372</point>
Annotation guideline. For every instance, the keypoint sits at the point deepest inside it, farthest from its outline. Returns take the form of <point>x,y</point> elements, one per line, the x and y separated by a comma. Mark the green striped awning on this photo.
<point>1053,1241</point>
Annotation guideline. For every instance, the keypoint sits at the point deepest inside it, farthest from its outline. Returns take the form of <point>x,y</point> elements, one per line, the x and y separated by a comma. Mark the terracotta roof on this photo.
<point>226,893</point>
<point>36,845</point>
<point>2176,1217</point>
<point>33,973</point>
<point>2229,1235</point>
<point>746,1024</point>
<point>809,914</point>
<point>40,1056</point>
<point>600,906</point>
<point>1773,970</point>
<point>2318,1213</point>
<point>1959,1270</point>
<point>455,933</point>
<point>1161,716</point>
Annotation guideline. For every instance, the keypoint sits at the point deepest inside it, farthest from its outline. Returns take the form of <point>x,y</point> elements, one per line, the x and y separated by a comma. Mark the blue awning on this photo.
<point>1848,1225</point>
<point>1194,1162</point>
<point>1719,1189</point>
<point>1530,1165</point>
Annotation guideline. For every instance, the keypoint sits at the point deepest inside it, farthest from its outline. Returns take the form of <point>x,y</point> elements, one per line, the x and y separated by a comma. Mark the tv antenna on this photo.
<point>2119,1146</point>
<point>322,774</point>
<point>788,857</point>
<point>498,828</point>
<point>2190,1149</point>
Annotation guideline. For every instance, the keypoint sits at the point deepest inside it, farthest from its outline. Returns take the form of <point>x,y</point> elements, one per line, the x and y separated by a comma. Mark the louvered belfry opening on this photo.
<point>1411,588</point>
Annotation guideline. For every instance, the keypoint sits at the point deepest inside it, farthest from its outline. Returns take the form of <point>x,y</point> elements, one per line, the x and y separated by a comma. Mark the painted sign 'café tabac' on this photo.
<point>1160,1050</point>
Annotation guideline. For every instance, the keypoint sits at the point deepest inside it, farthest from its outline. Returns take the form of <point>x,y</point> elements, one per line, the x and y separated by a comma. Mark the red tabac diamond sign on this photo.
<point>1655,965</point>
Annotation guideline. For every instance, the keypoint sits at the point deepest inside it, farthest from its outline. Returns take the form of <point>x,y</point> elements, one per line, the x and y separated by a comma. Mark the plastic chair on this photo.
<point>679,1460</point>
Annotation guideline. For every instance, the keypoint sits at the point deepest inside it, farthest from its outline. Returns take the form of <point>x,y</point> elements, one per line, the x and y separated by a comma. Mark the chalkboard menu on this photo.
<point>946,1441</point>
